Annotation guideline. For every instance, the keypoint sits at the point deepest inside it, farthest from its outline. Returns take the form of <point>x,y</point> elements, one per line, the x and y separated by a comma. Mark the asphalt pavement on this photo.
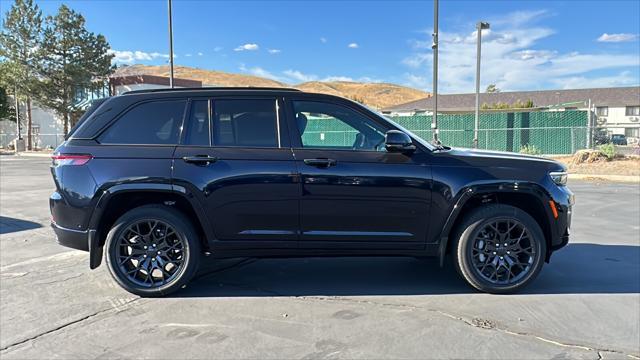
<point>584,304</point>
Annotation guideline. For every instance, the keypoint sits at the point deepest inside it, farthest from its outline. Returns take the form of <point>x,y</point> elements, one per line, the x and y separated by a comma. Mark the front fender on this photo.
<point>485,188</point>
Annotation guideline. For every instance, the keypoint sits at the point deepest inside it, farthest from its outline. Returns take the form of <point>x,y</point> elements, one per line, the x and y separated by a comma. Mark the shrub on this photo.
<point>530,150</point>
<point>609,150</point>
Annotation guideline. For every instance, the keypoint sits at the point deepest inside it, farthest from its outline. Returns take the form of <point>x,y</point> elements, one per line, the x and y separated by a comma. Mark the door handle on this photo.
<point>200,159</point>
<point>320,162</point>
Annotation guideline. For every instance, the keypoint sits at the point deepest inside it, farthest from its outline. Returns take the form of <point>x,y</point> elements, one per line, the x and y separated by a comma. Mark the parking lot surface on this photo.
<point>584,304</point>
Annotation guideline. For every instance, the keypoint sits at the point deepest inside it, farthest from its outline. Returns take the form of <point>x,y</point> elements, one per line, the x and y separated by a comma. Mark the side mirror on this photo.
<point>397,141</point>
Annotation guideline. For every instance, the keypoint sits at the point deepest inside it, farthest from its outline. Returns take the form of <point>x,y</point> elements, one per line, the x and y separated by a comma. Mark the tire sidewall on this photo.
<point>476,221</point>
<point>173,219</point>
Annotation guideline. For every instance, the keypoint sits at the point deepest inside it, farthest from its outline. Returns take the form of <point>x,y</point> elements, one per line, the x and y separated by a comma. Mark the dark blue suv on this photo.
<point>156,179</point>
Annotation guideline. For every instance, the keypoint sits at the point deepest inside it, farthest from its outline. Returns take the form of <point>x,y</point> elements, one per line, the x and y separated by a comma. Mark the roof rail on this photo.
<point>209,88</point>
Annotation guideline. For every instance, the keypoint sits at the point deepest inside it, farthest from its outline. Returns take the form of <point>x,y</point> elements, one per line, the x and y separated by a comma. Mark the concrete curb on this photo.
<point>614,178</point>
<point>34,154</point>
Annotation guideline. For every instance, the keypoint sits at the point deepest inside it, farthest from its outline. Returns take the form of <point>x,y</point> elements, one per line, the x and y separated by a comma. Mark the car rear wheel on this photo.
<point>152,250</point>
<point>500,249</point>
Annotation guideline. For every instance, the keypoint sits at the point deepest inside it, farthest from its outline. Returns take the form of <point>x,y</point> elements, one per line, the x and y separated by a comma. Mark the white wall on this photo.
<point>47,128</point>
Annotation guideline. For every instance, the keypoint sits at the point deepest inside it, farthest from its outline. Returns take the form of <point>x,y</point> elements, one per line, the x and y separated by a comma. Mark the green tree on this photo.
<point>20,40</point>
<point>492,88</point>
<point>7,110</point>
<point>74,59</point>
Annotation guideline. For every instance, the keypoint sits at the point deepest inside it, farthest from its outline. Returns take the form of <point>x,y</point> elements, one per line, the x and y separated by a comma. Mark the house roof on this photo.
<point>619,96</point>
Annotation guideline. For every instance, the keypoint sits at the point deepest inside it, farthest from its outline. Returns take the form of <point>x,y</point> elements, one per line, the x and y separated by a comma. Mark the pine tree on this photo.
<point>19,42</point>
<point>492,88</point>
<point>73,59</point>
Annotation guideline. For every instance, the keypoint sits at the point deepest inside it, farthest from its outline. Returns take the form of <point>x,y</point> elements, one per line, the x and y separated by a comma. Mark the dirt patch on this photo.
<point>620,166</point>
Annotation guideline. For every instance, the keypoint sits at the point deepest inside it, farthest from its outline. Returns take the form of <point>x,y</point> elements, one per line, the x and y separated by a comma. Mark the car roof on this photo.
<point>212,89</point>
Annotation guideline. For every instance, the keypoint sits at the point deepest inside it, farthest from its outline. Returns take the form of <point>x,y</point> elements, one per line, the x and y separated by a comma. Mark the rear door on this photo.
<point>236,159</point>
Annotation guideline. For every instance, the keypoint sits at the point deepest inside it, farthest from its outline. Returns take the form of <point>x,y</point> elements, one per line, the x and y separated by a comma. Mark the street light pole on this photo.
<point>434,46</point>
<point>170,47</point>
<point>479,27</point>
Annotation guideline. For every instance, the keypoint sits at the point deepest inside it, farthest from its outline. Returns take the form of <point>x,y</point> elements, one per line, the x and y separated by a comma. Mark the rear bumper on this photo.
<point>75,239</point>
<point>85,240</point>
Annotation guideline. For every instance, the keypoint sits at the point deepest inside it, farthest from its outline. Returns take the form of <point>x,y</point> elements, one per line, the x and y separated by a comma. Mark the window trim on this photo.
<point>606,111</point>
<point>296,142</point>
<point>282,135</point>
<point>627,111</point>
<point>131,107</point>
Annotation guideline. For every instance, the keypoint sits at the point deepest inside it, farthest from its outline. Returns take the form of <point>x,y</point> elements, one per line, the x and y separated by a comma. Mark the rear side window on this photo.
<point>198,132</point>
<point>149,123</point>
<point>248,122</point>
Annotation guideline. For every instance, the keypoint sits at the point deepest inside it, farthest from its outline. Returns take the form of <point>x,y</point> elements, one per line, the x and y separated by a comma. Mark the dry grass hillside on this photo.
<point>378,95</point>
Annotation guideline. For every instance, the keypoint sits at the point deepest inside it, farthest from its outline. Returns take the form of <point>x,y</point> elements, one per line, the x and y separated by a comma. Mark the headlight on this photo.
<point>559,177</point>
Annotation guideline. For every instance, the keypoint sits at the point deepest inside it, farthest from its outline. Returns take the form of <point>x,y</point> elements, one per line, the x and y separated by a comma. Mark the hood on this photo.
<point>503,159</point>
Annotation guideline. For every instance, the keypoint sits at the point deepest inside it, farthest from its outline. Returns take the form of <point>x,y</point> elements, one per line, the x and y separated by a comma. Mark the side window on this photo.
<point>249,122</point>
<point>331,126</point>
<point>197,131</point>
<point>149,123</point>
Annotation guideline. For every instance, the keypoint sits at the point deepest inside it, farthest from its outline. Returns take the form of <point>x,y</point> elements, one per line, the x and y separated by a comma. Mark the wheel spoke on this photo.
<point>136,262</point>
<point>501,263</point>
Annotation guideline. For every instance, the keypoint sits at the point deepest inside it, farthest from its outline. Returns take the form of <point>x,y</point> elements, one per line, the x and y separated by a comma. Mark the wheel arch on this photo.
<point>529,197</point>
<point>118,199</point>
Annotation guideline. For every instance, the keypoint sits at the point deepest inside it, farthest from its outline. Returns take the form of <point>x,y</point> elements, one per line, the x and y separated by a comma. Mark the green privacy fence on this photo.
<point>557,132</point>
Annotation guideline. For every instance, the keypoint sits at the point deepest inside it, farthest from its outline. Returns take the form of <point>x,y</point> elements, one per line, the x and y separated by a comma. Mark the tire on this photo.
<point>475,242</point>
<point>129,255</point>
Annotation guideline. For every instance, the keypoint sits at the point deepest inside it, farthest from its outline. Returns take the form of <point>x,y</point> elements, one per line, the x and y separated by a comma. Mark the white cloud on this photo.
<point>298,76</point>
<point>247,47</point>
<point>614,38</point>
<point>200,54</point>
<point>217,48</point>
<point>624,78</point>
<point>511,59</point>
<point>188,55</point>
<point>353,46</point>
<point>258,71</point>
<point>323,40</point>
<point>274,51</point>
<point>128,57</point>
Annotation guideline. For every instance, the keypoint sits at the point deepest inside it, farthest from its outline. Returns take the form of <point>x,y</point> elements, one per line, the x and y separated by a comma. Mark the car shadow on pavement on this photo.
<point>576,269</point>
<point>9,225</point>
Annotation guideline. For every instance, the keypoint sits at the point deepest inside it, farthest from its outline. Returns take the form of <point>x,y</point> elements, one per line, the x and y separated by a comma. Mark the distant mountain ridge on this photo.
<point>378,95</point>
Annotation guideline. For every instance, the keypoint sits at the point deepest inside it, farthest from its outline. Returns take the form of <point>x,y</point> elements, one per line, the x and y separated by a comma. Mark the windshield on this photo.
<point>402,128</point>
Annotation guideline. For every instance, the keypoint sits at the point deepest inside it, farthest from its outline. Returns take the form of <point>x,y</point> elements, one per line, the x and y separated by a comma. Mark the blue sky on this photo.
<point>531,44</point>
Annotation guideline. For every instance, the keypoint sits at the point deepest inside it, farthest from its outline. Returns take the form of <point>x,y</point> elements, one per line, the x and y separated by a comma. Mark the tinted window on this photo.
<point>247,122</point>
<point>197,132</point>
<point>155,122</point>
<point>326,125</point>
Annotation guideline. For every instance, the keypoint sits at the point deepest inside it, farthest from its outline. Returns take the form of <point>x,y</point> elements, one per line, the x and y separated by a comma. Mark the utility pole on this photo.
<point>434,46</point>
<point>170,47</point>
<point>479,27</point>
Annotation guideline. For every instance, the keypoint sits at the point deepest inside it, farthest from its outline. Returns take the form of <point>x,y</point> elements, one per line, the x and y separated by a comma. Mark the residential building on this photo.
<point>614,110</point>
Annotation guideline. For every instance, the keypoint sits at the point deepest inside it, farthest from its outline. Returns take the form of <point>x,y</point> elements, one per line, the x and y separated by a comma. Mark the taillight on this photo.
<point>70,159</point>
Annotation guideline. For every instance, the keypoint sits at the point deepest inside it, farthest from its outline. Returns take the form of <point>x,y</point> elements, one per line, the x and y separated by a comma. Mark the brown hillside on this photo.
<point>377,95</point>
<point>208,77</point>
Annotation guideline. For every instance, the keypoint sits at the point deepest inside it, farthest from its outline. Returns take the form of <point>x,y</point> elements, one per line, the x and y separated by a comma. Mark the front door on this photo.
<point>354,193</point>
<point>236,159</point>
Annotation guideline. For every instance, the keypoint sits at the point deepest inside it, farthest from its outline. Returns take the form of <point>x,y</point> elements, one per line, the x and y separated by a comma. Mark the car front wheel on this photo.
<point>152,250</point>
<point>499,249</point>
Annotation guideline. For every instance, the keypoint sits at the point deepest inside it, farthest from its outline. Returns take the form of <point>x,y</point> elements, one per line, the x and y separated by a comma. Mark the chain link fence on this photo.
<point>549,132</point>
